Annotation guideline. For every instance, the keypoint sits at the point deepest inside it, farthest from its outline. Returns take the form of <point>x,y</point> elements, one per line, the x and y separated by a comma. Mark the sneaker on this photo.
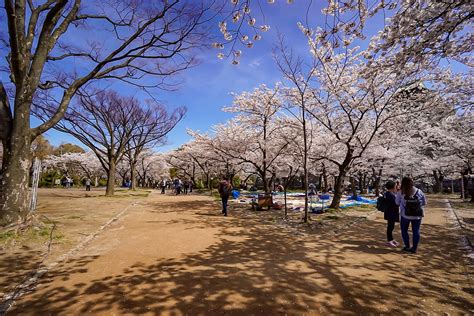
<point>412,250</point>
<point>396,243</point>
<point>391,244</point>
<point>407,249</point>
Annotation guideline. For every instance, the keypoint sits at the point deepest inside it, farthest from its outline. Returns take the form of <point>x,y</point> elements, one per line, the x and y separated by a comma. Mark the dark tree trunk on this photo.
<point>336,200</point>
<point>353,187</point>
<point>325,179</point>
<point>377,180</point>
<point>343,168</point>
<point>133,176</point>
<point>110,179</point>
<point>438,177</point>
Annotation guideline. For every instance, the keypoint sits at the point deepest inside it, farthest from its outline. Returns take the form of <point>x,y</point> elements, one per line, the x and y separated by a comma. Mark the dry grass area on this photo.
<point>74,214</point>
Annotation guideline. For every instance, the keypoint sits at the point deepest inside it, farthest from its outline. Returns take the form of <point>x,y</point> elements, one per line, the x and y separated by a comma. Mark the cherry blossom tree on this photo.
<point>252,137</point>
<point>152,167</point>
<point>354,105</point>
<point>82,165</point>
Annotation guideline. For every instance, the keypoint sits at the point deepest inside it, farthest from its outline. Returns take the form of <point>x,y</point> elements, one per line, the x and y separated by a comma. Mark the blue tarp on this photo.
<point>361,199</point>
<point>235,194</point>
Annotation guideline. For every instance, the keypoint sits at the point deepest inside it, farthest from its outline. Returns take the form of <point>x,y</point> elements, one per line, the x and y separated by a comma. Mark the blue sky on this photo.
<point>206,88</point>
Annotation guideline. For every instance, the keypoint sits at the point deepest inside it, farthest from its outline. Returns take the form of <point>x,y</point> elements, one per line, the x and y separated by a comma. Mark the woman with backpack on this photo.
<point>411,201</point>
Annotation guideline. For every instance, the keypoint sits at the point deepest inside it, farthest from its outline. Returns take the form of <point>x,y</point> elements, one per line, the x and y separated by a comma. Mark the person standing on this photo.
<point>190,186</point>
<point>411,201</point>
<point>163,186</point>
<point>391,211</point>
<point>224,191</point>
<point>88,184</point>
<point>185,186</point>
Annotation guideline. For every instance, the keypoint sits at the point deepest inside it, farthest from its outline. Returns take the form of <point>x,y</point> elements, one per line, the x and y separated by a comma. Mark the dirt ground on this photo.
<point>176,255</point>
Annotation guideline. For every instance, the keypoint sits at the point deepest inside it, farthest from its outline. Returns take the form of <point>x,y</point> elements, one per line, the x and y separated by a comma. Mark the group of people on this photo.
<point>403,203</point>
<point>177,185</point>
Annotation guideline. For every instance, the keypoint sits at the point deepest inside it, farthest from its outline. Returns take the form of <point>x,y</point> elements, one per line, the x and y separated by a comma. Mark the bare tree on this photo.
<point>299,75</point>
<point>55,47</point>
<point>155,123</point>
<point>104,122</point>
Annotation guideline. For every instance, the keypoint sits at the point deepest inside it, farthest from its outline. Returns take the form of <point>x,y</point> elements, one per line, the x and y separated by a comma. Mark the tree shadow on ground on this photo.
<point>258,269</point>
<point>15,266</point>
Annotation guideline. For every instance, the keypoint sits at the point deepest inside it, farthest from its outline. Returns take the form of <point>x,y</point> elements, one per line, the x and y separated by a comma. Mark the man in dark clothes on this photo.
<point>391,212</point>
<point>224,189</point>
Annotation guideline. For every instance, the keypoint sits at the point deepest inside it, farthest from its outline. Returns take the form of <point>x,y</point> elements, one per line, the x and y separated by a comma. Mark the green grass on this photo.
<point>462,205</point>
<point>124,193</point>
<point>32,234</point>
<point>362,208</point>
<point>5,236</point>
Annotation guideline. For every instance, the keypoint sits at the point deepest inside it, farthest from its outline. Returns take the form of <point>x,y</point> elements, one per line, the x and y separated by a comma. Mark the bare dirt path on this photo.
<point>176,255</point>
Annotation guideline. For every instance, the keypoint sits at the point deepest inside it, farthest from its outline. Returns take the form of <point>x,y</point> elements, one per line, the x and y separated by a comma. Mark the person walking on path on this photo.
<point>391,211</point>
<point>88,184</point>
<point>163,186</point>
<point>224,191</point>
<point>190,186</point>
<point>411,201</point>
<point>185,186</point>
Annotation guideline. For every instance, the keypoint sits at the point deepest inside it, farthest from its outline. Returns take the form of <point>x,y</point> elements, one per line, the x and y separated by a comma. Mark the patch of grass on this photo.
<point>362,208</point>
<point>33,234</point>
<point>74,217</point>
<point>5,236</point>
<point>458,204</point>
<point>332,217</point>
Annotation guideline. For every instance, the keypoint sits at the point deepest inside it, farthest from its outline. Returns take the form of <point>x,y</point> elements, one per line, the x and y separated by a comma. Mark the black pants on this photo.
<point>88,187</point>
<point>224,204</point>
<point>390,228</point>
<point>163,190</point>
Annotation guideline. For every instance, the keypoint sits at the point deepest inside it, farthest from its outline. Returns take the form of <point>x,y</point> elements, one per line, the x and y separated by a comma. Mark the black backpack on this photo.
<point>413,206</point>
<point>381,203</point>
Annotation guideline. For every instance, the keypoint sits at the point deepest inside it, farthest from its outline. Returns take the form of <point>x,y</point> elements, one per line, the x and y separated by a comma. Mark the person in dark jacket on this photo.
<point>225,189</point>
<point>391,211</point>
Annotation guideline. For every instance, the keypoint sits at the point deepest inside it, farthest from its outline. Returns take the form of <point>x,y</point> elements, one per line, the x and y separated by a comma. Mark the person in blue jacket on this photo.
<point>391,212</point>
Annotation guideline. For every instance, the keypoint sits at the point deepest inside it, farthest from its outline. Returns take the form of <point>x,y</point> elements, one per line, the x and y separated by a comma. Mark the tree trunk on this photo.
<point>266,186</point>
<point>377,179</point>
<point>353,188</point>
<point>208,182</point>
<point>343,168</point>
<point>438,177</point>
<point>133,176</point>
<point>110,179</point>
<point>325,179</point>
<point>336,200</point>
<point>15,175</point>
